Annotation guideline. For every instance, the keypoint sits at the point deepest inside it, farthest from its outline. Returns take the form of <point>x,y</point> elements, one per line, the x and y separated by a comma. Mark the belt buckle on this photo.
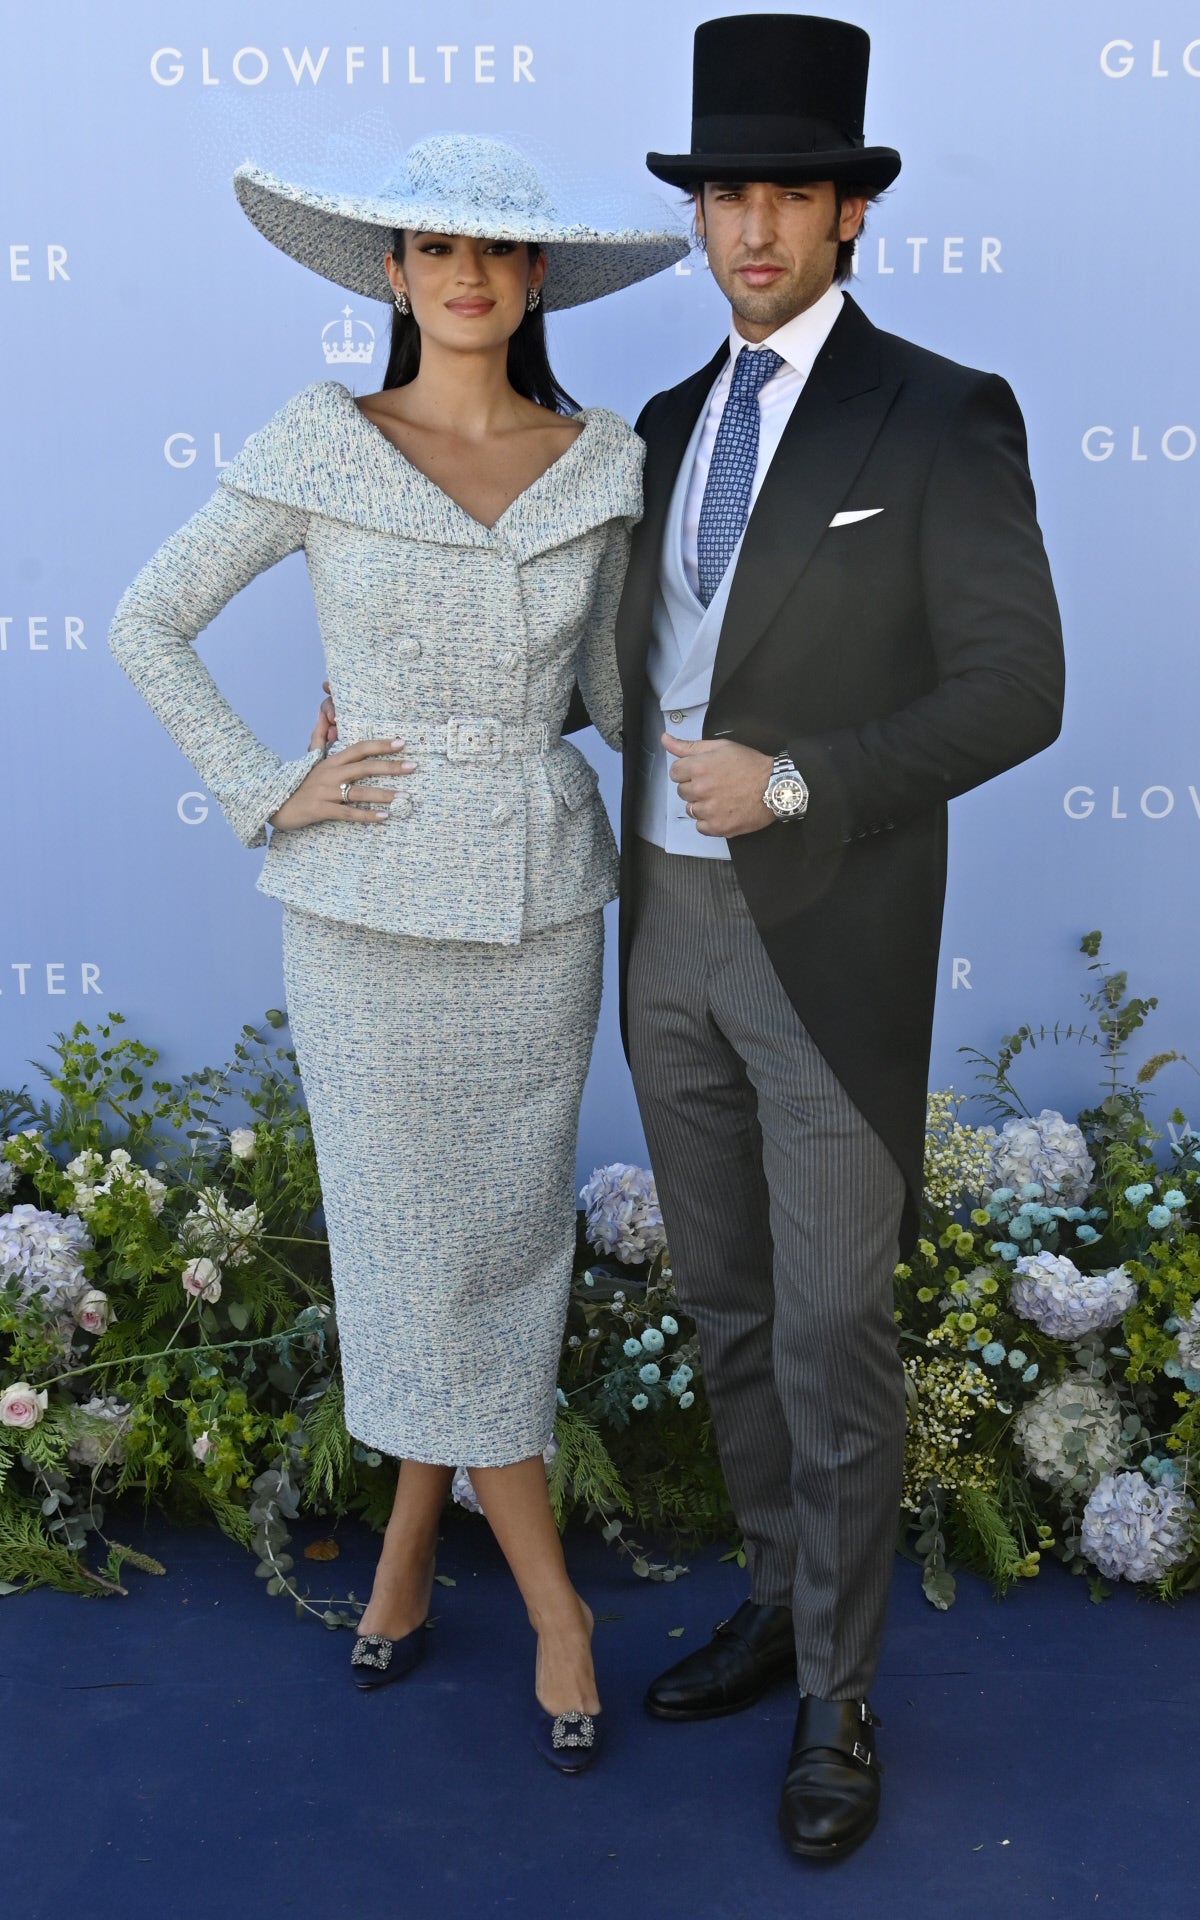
<point>471,739</point>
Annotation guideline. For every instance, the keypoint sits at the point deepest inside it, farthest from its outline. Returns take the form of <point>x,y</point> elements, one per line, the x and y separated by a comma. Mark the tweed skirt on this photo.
<point>444,1080</point>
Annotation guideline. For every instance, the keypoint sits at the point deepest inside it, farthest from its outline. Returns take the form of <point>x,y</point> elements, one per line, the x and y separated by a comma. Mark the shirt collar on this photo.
<point>800,339</point>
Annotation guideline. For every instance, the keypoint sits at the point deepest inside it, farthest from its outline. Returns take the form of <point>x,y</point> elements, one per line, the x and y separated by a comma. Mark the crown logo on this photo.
<point>348,341</point>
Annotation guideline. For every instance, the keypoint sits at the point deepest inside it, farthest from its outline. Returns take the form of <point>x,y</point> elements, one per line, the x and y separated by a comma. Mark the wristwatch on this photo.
<point>787,793</point>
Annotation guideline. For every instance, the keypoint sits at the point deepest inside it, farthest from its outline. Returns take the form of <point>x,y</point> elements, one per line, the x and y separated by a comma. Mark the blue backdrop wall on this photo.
<point>1043,226</point>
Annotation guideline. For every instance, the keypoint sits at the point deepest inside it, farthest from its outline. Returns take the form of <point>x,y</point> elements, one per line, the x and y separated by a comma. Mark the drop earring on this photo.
<point>533,300</point>
<point>401,304</point>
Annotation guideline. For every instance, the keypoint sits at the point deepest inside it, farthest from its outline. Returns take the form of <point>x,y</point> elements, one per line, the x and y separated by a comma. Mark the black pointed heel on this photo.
<point>570,1742</point>
<point>375,1661</point>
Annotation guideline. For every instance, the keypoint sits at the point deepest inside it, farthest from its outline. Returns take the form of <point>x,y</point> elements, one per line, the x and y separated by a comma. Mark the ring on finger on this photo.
<point>690,811</point>
<point>344,790</point>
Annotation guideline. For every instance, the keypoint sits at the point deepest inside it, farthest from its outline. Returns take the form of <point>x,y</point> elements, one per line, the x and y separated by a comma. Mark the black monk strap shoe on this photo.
<point>753,1650</point>
<point>830,1797</point>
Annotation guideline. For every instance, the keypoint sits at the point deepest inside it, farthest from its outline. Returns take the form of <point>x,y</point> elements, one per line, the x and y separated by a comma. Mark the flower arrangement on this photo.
<point>167,1331</point>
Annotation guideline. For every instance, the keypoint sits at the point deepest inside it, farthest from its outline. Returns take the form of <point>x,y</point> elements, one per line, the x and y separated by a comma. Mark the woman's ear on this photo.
<point>537,272</point>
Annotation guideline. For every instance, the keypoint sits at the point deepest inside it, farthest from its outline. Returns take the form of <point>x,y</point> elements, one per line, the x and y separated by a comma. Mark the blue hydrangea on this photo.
<point>1133,1531</point>
<point>1086,1234</point>
<point>633,1347</point>
<point>639,1403</point>
<point>652,1340</point>
<point>1158,1218</point>
<point>650,1375</point>
<point>1049,1289</point>
<point>561,1397</point>
<point>623,1217</point>
<point>1046,1152</point>
<point>993,1353</point>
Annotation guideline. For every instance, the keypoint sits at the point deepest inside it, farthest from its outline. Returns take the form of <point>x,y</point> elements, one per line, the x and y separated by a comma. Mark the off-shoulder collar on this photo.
<point>321,454</point>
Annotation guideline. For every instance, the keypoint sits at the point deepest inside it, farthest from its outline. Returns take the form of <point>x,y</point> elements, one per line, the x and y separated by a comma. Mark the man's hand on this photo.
<point>722,785</point>
<point>325,732</point>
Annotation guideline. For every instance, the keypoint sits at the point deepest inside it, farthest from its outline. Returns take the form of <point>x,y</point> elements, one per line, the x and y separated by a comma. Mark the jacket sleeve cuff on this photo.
<point>251,806</point>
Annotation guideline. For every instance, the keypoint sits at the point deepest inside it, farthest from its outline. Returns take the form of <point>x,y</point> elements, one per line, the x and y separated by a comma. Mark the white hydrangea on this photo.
<point>1049,1150</point>
<point>224,1233</point>
<point>99,1425</point>
<point>1049,1289</point>
<point>44,1253</point>
<point>1076,1405</point>
<point>463,1489</point>
<point>91,1176</point>
<point>8,1178</point>
<point>1189,1340</point>
<point>623,1216</point>
<point>1133,1531</point>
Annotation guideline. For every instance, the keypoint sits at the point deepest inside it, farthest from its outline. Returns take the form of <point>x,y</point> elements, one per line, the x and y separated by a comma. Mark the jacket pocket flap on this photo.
<point>573,778</point>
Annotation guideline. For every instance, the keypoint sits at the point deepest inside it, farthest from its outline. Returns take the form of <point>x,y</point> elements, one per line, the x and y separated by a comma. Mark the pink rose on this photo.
<point>21,1405</point>
<point>91,1313</point>
<point>202,1279</point>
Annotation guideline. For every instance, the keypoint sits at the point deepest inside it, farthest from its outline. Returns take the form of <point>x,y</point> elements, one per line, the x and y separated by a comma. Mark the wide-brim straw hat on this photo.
<point>463,184</point>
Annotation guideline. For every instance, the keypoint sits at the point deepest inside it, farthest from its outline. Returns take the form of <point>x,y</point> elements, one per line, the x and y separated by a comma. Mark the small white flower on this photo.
<point>1044,1425</point>
<point>242,1144</point>
<point>202,1279</point>
<point>22,1405</point>
<point>201,1446</point>
<point>92,1312</point>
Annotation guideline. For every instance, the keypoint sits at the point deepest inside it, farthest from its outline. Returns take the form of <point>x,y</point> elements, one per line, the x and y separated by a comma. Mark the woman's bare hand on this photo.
<point>325,732</point>
<point>320,797</point>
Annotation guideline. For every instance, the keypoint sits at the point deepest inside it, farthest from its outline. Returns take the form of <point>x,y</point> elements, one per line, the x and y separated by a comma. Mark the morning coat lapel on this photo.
<point>667,431</point>
<point>840,411</point>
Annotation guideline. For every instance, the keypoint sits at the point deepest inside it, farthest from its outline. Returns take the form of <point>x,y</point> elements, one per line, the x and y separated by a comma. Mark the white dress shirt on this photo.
<point>797,342</point>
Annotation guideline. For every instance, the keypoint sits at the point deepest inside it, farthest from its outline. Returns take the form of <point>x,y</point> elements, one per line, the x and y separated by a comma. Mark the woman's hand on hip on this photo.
<point>338,788</point>
<point>325,732</point>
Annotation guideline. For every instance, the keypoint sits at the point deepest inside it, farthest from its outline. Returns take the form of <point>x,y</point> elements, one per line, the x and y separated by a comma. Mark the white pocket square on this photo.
<point>859,513</point>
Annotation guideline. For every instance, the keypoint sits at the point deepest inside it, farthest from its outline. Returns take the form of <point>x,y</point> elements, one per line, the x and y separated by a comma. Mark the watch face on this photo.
<point>787,795</point>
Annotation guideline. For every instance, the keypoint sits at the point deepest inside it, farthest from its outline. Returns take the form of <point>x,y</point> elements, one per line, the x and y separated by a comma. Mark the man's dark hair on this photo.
<point>844,264</point>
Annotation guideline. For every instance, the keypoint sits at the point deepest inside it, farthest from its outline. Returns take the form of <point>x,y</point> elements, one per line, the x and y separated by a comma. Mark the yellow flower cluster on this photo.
<point>944,1396</point>
<point>958,1159</point>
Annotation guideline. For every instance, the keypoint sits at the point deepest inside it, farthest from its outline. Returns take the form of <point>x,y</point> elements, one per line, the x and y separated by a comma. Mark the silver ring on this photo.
<point>690,811</point>
<point>344,790</point>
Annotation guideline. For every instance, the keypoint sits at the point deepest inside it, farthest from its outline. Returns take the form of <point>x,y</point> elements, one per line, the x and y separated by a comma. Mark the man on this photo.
<point>838,615</point>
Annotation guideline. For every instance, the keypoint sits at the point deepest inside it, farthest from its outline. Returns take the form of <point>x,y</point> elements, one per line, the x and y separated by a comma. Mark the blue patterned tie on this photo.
<point>725,508</point>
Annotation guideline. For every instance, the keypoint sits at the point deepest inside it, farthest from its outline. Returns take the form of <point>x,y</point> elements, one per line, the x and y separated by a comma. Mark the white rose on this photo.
<point>92,1311</point>
<point>21,1405</point>
<point>201,1445</point>
<point>242,1144</point>
<point>202,1279</point>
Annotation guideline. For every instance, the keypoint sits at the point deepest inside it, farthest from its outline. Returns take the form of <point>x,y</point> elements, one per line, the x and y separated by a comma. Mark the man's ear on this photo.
<point>698,214</point>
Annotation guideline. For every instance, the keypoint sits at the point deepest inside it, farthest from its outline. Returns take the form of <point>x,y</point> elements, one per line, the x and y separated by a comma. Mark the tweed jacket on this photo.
<point>462,639</point>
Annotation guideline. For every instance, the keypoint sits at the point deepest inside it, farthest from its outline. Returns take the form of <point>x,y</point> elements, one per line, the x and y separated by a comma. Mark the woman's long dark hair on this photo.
<point>529,371</point>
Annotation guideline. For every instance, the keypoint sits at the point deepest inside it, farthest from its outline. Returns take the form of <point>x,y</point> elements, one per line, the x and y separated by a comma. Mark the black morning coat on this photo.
<point>900,660</point>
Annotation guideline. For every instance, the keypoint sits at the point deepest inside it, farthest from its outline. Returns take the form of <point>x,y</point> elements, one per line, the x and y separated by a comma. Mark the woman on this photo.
<point>443,872</point>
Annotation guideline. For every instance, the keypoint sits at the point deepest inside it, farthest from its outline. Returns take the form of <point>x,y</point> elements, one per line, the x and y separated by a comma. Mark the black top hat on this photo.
<point>779,96</point>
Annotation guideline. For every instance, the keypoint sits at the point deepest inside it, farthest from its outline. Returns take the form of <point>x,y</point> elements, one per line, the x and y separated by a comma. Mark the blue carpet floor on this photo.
<point>195,1751</point>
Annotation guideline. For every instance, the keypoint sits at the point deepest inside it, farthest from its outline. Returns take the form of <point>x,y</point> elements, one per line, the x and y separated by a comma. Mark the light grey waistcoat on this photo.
<point>464,639</point>
<point>679,671</point>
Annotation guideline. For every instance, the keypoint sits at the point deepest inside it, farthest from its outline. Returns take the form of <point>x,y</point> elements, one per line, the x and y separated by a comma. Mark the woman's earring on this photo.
<point>402,306</point>
<point>533,300</point>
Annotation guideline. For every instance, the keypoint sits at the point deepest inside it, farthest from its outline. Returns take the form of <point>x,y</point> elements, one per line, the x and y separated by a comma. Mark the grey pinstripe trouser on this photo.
<point>782,1210</point>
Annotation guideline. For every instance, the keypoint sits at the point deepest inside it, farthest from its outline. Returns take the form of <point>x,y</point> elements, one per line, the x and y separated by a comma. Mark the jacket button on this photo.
<point>501,814</point>
<point>408,647</point>
<point>511,660</point>
<point>675,718</point>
